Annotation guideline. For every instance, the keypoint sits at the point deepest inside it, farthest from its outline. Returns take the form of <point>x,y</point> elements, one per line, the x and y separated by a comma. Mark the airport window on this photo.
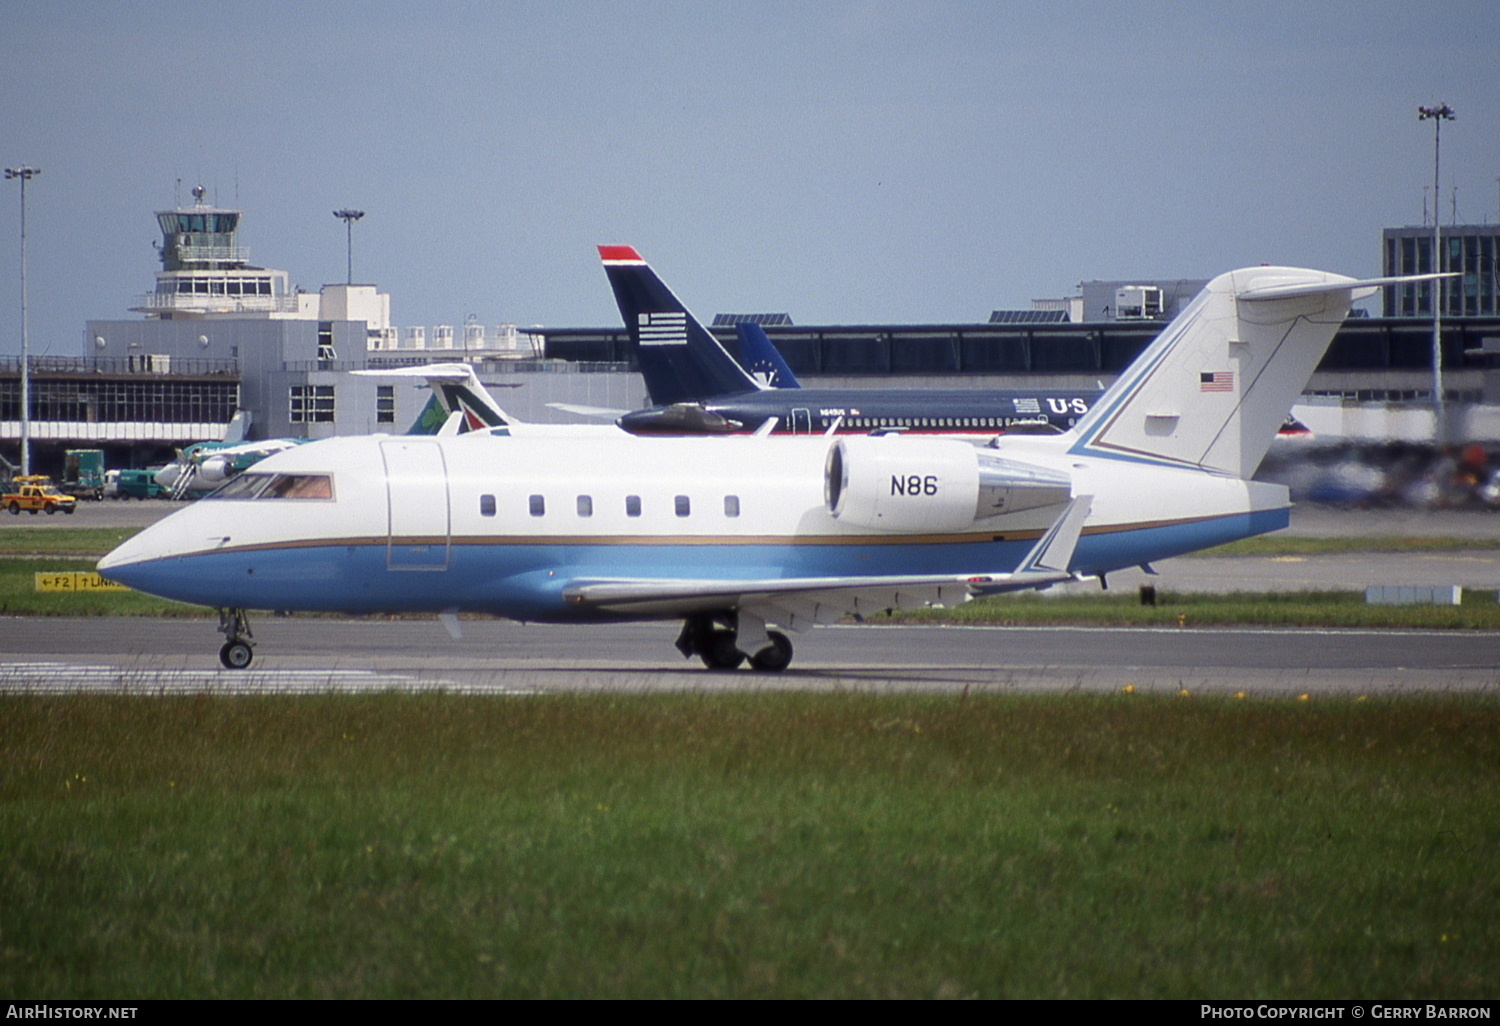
<point>486,505</point>
<point>585,505</point>
<point>90,401</point>
<point>682,505</point>
<point>325,341</point>
<point>632,505</point>
<point>311,404</point>
<point>731,505</point>
<point>385,405</point>
<point>538,506</point>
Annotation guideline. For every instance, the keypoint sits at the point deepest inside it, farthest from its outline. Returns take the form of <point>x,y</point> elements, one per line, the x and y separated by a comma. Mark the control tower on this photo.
<point>205,273</point>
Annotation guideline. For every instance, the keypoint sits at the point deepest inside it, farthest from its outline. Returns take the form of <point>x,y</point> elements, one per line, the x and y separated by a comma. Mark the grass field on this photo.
<point>765,845</point>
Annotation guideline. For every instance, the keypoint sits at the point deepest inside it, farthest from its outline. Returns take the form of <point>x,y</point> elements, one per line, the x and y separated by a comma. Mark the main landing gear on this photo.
<point>726,640</point>
<point>239,643</point>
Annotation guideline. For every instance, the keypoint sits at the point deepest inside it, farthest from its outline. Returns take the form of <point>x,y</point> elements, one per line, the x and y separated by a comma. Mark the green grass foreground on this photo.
<point>749,845</point>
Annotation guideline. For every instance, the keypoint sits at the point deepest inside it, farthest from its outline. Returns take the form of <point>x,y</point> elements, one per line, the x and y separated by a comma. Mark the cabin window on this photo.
<point>682,505</point>
<point>486,505</point>
<point>538,506</point>
<point>585,505</point>
<point>632,505</point>
<point>731,505</point>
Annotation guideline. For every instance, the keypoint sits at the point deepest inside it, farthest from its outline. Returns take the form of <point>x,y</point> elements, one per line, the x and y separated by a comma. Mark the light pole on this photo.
<point>349,217</point>
<point>25,174</point>
<point>1437,115</point>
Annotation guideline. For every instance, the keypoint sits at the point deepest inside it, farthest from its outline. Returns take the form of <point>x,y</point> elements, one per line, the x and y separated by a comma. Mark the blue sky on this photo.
<point>847,162</point>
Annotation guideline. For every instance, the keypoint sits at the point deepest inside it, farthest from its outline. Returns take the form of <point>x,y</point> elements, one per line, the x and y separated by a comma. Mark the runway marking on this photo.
<point>54,678</point>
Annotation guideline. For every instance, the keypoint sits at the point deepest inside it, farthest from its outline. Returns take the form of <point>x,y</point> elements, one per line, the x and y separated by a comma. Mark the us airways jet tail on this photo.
<point>680,361</point>
<point>762,359</point>
<point>1213,388</point>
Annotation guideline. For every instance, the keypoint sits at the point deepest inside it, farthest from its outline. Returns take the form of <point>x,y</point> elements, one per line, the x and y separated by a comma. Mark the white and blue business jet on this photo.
<point>743,538</point>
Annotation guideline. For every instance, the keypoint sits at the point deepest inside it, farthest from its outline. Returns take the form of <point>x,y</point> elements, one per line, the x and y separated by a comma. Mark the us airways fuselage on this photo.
<point>954,411</point>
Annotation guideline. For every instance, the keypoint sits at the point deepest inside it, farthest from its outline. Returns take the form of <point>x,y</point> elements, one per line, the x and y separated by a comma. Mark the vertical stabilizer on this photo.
<point>1216,385</point>
<point>680,361</point>
<point>455,389</point>
<point>760,357</point>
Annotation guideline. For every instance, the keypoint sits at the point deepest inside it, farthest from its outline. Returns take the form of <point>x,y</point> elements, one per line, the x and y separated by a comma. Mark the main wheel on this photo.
<point>235,655</point>
<point>720,652</point>
<point>51,510</point>
<point>15,509</point>
<point>775,657</point>
<point>69,510</point>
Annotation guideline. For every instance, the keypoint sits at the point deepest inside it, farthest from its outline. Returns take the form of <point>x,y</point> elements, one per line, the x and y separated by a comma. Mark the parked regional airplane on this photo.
<point>736,535</point>
<point>699,388</point>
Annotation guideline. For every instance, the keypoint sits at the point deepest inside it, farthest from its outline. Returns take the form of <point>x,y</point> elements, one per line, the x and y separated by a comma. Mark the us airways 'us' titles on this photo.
<point>743,538</point>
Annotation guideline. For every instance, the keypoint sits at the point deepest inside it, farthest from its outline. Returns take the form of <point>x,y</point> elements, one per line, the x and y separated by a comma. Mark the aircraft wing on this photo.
<point>798,603</point>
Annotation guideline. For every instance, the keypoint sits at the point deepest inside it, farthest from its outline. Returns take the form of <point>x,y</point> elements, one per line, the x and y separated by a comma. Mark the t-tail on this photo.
<point>680,361</point>
<point>759,356</point>
<point>455,389</point>
<point>1218,382</point>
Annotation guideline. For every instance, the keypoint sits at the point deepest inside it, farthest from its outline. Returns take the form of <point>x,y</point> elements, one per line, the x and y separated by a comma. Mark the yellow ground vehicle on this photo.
<point>33,493</point>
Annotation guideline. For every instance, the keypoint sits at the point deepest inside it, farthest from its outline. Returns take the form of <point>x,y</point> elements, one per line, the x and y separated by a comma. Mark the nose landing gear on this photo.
<point>239,643</point>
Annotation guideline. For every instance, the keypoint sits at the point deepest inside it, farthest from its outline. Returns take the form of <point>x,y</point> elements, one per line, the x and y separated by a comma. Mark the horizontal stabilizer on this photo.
<point>1364,287</point>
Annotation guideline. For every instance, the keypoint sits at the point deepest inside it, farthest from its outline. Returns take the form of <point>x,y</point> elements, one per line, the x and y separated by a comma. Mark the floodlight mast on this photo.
<point>1437,115</point>
<point>25,174</point>
<point>349,217</point>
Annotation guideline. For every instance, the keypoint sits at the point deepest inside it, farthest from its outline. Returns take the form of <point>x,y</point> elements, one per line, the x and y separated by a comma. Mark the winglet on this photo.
<point>1053,551</point>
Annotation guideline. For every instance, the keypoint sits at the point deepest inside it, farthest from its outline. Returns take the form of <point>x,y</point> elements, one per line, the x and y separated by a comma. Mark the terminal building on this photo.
<point>223,346</point>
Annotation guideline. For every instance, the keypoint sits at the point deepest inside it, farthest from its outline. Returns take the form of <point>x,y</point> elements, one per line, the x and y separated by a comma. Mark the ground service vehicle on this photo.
<point>35,493</point>
<point>83,473</point>
<point>139,484</point>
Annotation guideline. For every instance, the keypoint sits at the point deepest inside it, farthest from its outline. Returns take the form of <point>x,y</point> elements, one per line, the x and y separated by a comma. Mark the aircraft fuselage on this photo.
<point>502,526</point>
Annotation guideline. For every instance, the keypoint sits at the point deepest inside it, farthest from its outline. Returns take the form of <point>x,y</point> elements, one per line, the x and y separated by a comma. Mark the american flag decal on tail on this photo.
<point>663,329</point>
<point>1216,381</point>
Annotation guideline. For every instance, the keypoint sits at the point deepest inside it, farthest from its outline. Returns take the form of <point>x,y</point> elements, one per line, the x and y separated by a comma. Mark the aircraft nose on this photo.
<point>123,556</point>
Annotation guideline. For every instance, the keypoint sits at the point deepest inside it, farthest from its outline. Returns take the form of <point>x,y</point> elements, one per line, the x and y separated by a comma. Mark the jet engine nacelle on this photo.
<point>937,485</point>
<point>215,470</point>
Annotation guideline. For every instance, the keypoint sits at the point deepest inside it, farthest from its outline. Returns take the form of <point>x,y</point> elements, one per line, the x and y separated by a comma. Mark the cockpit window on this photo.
<point>246,486</point>
<point>276,486</point>
<point>299,486</point>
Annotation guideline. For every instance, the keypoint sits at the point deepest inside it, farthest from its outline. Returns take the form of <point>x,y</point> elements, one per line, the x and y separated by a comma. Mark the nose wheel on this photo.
<point>238,649</point>
<point>236,655</point>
